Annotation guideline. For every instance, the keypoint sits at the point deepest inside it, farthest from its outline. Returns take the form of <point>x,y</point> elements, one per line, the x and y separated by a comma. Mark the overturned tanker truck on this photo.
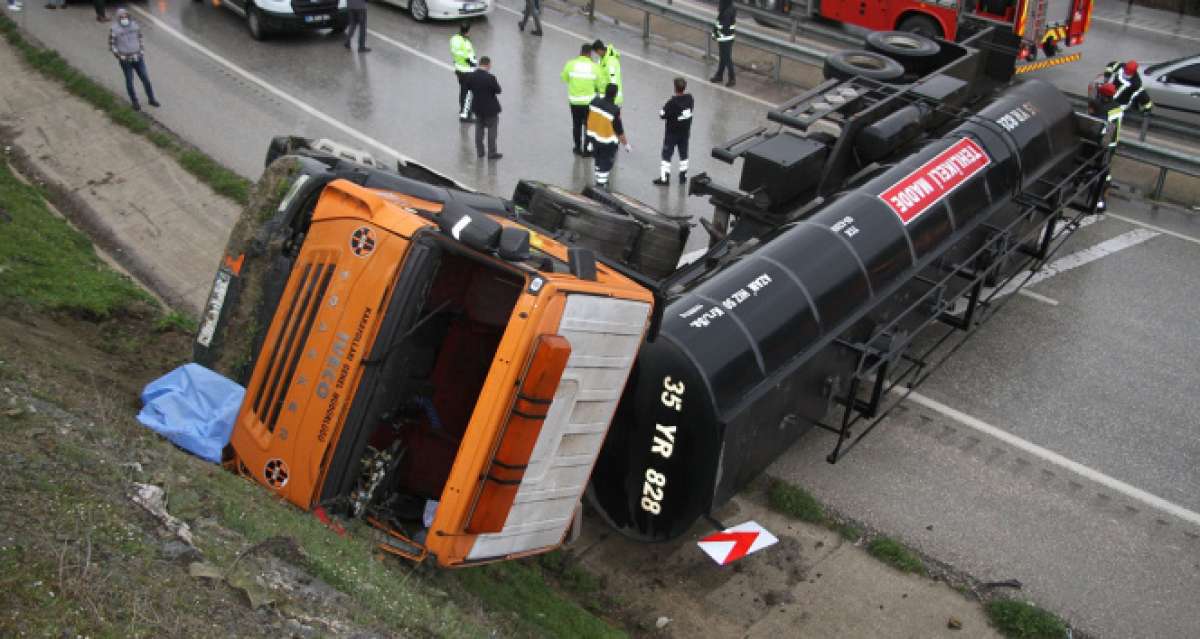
<point>457,368</point>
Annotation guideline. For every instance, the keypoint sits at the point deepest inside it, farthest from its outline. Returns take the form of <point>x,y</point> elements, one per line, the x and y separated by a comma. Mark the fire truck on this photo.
<point>1044,26</point>
<point>462,370</point>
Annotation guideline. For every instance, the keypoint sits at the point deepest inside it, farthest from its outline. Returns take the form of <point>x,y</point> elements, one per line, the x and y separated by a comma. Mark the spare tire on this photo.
<point>915,52</point>
<point>844,65</point>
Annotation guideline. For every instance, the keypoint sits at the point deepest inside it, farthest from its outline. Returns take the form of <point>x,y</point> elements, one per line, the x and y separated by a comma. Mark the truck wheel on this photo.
<point>921,25</point>
<point>545,212</point>
<point>282,145</point>
<point>609,233</point>
<point>254,24</point>
<point>418,10</point>
<point>913,51</point>
<point>659,243</point>
<point>844,65</point>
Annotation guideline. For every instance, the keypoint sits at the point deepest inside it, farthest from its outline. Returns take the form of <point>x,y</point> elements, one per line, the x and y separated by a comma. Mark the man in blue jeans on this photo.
<point>125,41</point>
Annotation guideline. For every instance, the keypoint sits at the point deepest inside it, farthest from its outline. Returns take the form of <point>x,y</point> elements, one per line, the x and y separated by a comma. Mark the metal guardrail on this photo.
<point>1157,121</point>
<point>1165,159</point>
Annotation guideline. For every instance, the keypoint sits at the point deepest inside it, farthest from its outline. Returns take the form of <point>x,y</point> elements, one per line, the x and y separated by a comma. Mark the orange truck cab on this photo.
<point>420,359</point>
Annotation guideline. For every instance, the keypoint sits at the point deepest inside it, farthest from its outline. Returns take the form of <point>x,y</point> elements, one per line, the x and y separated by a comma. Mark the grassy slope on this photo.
<point>77,343</point>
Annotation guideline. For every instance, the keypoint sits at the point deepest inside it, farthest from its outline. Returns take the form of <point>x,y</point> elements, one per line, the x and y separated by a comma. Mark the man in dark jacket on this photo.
<point>486,106</point>
<point>125,41</point>
<point>677,114</point>
<point>604,131</point>
<point>358,20</point>
<point>723,32</point>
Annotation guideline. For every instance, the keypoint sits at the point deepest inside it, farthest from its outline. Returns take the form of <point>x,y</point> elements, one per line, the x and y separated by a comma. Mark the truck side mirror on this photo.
<point>514,244</point>
<point>469,226</point>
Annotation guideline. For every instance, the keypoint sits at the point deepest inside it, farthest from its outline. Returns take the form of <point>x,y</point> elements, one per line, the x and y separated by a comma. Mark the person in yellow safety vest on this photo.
<point>723,32</point>
<point>585,79</point>
<point>605,130</point>
<point>463,53</point>
<point>610,61</point>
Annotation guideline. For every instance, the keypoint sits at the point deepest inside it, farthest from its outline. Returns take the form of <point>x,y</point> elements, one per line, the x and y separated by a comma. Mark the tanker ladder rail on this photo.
<point>884,359</point>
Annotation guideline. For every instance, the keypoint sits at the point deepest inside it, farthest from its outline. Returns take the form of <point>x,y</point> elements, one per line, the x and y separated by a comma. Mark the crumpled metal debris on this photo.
<point>154,500</point>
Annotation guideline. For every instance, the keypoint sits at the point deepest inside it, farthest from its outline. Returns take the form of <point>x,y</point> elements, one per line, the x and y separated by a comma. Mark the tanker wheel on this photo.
<point>844,65</point>
<point>921,25</point>
<point>913,51</point>
<point>660,244</point>
<point>544,212</point>
<point>255,268</point>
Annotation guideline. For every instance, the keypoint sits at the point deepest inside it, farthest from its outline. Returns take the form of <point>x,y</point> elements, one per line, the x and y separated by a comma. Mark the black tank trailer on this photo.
<point>839,269</point>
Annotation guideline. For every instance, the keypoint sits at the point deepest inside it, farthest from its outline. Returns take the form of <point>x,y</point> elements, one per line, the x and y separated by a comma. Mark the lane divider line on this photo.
<point>1049,456</point>
<point>272,89</point>
<point>1152,227</point>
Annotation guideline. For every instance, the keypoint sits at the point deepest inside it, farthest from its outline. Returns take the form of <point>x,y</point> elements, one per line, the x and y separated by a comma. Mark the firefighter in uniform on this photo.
<point>723,32</point>
<point>677,116</point>
<point>1120,88</point>
<point>463,53</point>
<point>585,79</point>
<point>605,131</point>
<point>610,61</point>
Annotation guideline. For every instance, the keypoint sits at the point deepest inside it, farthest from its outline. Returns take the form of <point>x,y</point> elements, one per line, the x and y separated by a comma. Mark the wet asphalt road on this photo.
<point>1104,376</point>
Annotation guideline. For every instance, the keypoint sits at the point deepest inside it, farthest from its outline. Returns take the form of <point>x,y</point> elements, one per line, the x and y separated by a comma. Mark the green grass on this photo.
<point>52,65</point>
<point>794,502</point>
<point>849,532</point>
<point>896,555</point>
<point>176,321</point>
<point>46,263</point>
<point>1021,620</point>
<point>520,587</point>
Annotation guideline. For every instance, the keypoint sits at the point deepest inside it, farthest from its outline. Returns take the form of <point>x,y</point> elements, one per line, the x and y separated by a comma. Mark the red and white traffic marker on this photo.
<point>733,543</point>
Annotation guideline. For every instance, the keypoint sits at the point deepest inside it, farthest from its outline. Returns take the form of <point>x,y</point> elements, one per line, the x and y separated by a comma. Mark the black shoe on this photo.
<point>731,82</point>
<point>51,7</point>
<point>137,107</point>
<point>537,33</point>
<point>661,181</point>
<point>495,156</point>
<point>478,155</point>
<point>521,27</point>
<point>683,177</point>
<point>364,49</point>
<point>155,103</point>
<point>346,44</point>
<point>715,78</point>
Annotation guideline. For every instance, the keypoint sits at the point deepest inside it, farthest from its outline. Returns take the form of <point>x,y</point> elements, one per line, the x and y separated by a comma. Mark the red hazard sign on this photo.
<point>934,180</point>
<point>736,542</point>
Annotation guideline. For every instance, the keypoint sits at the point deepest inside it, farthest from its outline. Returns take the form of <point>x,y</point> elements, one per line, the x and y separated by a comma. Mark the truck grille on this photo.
<point>295,320</point>
<point>305,7</point>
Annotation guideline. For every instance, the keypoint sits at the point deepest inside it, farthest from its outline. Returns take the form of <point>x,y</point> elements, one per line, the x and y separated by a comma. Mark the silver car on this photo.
<point>1175,88</point>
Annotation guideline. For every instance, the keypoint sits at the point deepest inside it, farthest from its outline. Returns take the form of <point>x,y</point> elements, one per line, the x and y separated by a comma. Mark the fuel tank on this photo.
<point>740,367</point>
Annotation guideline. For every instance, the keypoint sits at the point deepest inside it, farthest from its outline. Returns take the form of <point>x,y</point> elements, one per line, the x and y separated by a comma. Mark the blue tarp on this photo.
<point>194,408</point>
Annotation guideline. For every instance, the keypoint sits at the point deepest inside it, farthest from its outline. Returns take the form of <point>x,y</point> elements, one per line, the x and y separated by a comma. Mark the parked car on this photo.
<point>265,17</point>
<point>423,10</point>
<point>1175,88</point>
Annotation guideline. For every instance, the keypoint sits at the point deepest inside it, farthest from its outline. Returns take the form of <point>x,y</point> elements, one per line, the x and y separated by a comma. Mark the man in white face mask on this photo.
<point>125,41</point>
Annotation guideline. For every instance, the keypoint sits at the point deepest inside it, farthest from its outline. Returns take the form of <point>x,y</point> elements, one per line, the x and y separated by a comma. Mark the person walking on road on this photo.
<point>486,106</point>
<point>358,20</point>
<point>125,41</point>
<point>677,114</point>
<point>533,9</point>
<point>610,60</point>
<point>463,53</point>
<point>723,32</point>
<point>583,78</point>
<point>605,131</point>
<point>101,10</point>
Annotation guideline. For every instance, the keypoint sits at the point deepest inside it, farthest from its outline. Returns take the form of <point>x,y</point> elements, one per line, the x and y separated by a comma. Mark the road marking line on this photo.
<point>416,52</point>
<point>624,54</point>
<point>1062,265</point>
<point>1052,457</point>
<point>279,93</point>
<point>1134,25</point>
<point>1159,229</point>
<point>1038,296</point>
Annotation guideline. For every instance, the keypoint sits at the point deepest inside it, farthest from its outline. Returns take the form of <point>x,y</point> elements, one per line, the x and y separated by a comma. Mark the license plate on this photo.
<point>474,6</point>
<point>320,18</point>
